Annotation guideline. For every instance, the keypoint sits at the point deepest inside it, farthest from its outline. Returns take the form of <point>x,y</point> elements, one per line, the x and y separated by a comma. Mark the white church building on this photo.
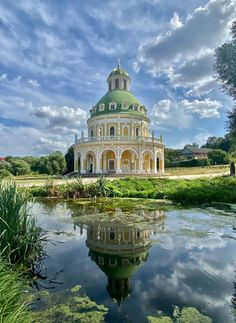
<point>118,134</point>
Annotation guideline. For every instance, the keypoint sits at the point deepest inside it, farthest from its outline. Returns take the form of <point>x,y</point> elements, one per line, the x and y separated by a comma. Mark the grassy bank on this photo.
<point>21,248</point>
<point>218,189</point>
<point>12,308</point>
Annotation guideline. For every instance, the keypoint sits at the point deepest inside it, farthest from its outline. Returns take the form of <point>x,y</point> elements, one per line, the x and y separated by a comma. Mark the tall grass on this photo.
<point>12,309</point>
<point>21,241</point>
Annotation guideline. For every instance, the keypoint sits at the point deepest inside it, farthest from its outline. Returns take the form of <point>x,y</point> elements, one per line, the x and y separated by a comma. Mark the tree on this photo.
<point>225,67</point>
<point>218,157</point>
<point>19,167</point>
<point>171,155</point>
<point>57,163</point>
<point>226,143</point>
<point>69,156</point>
<point>231,122</point>
<point>193,145</point>
<point>5,165</point>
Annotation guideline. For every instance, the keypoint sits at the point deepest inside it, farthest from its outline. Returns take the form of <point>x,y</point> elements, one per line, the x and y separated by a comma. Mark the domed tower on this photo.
<point>118,138</point>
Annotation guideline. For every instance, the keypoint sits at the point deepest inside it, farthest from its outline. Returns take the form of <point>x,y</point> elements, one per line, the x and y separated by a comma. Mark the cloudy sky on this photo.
<point>55,56</point>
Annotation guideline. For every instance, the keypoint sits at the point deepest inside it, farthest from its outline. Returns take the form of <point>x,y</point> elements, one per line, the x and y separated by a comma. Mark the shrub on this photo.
<point>190,163</point>
<point>4,173</point>
<point>218,157</point>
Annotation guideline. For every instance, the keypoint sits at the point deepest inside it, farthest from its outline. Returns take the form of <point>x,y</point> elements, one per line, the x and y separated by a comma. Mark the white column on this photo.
<point>75,162</point>
<point>104,163</point>
<point>153,161</point>
<point>105,134</point>
<point>98,169</point>
<point>162,168</point>
<point>118,169</point>
<point>82,162</point>
<point>140,164</point>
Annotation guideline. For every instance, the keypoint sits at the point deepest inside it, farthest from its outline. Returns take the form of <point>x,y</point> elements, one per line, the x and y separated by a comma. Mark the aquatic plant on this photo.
<point>72,307</point>
<point>12,309</point>
<point>186,315</point>
<point>21,241</point>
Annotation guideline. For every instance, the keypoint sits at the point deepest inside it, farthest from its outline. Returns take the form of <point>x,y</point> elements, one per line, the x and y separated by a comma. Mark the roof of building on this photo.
<point>196,150</point>
<point>120,97</point>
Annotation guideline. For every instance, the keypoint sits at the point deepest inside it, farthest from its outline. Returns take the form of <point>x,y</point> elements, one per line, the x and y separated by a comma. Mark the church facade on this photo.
<point>118,138</point>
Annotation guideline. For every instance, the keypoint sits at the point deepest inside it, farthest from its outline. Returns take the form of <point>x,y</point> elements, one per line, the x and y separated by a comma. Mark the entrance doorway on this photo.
<point>111,165</point>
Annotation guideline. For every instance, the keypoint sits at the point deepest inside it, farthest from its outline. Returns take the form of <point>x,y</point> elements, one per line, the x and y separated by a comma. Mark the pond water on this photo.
<point>138,257</point>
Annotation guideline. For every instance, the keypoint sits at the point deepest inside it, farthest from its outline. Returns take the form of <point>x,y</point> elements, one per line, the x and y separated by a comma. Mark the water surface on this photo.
<point>138,257</point>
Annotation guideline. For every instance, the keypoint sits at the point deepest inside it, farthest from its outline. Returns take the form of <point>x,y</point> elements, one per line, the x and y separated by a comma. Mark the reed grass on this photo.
<point>12,308</point>
<point>21,241</point>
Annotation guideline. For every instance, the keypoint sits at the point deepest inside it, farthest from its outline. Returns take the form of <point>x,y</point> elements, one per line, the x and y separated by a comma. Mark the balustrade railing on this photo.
<point>119,138</point>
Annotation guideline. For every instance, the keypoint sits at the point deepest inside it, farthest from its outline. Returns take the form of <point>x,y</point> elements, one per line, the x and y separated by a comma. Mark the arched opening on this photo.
<point>112,234</point>
<point>148,162</point>
<point>137,132</point>
<point>158,164</point>
<point>91,133</point>
<point>128,161</point>
<point>112,131</point>
<point>90,163</point>
<point>79,164</point>
<point>108,161</point>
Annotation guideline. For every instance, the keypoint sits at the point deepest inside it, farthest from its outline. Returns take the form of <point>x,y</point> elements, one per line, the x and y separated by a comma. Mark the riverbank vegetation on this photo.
<point>21,241</point>
<point>204,190</point>
<point>12,309</point>
<point>21,248</point>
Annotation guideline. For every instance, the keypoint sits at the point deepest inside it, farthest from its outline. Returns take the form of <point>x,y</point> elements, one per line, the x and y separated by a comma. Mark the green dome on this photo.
<point>119,97</point>
<point>118,71</point>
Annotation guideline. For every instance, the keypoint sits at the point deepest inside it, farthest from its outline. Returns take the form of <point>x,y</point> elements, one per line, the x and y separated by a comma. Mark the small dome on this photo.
<point>118,71</point>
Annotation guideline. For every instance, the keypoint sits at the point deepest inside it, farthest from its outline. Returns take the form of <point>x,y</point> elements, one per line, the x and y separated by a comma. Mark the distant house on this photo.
<point>2,158</point>
<point>194,153</point>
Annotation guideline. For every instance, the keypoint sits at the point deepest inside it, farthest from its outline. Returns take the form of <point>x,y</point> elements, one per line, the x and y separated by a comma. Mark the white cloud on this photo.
<point>3,77</point>
<point>185,52</point>
<point>204,108</point>
<point>33,82</point>
<point>181,114</point>
<point>68,117</point>
<point>48,145</point>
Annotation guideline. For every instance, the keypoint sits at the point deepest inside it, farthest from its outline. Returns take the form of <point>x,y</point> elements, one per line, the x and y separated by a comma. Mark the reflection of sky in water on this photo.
<point>191,262</point>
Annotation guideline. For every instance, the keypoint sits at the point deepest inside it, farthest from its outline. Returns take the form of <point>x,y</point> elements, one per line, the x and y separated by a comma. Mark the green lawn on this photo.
<point>178,171</point>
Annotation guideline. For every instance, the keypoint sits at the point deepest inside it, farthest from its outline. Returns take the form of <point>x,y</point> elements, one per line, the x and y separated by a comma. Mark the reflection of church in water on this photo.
<point>119,250</point>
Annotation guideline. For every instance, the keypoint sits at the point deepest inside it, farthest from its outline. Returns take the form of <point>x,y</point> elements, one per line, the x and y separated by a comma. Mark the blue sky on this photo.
<point>55,57</point>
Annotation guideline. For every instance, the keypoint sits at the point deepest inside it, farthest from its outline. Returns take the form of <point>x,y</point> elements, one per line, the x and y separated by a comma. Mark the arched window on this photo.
<point>109,85</point>
<point>137,132</point>
<point>112,131</point>
<point>138,234</point>
<point>91,133</point>
<point>125,84</point>
<point>117,83</point>
<point>112,234</point>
